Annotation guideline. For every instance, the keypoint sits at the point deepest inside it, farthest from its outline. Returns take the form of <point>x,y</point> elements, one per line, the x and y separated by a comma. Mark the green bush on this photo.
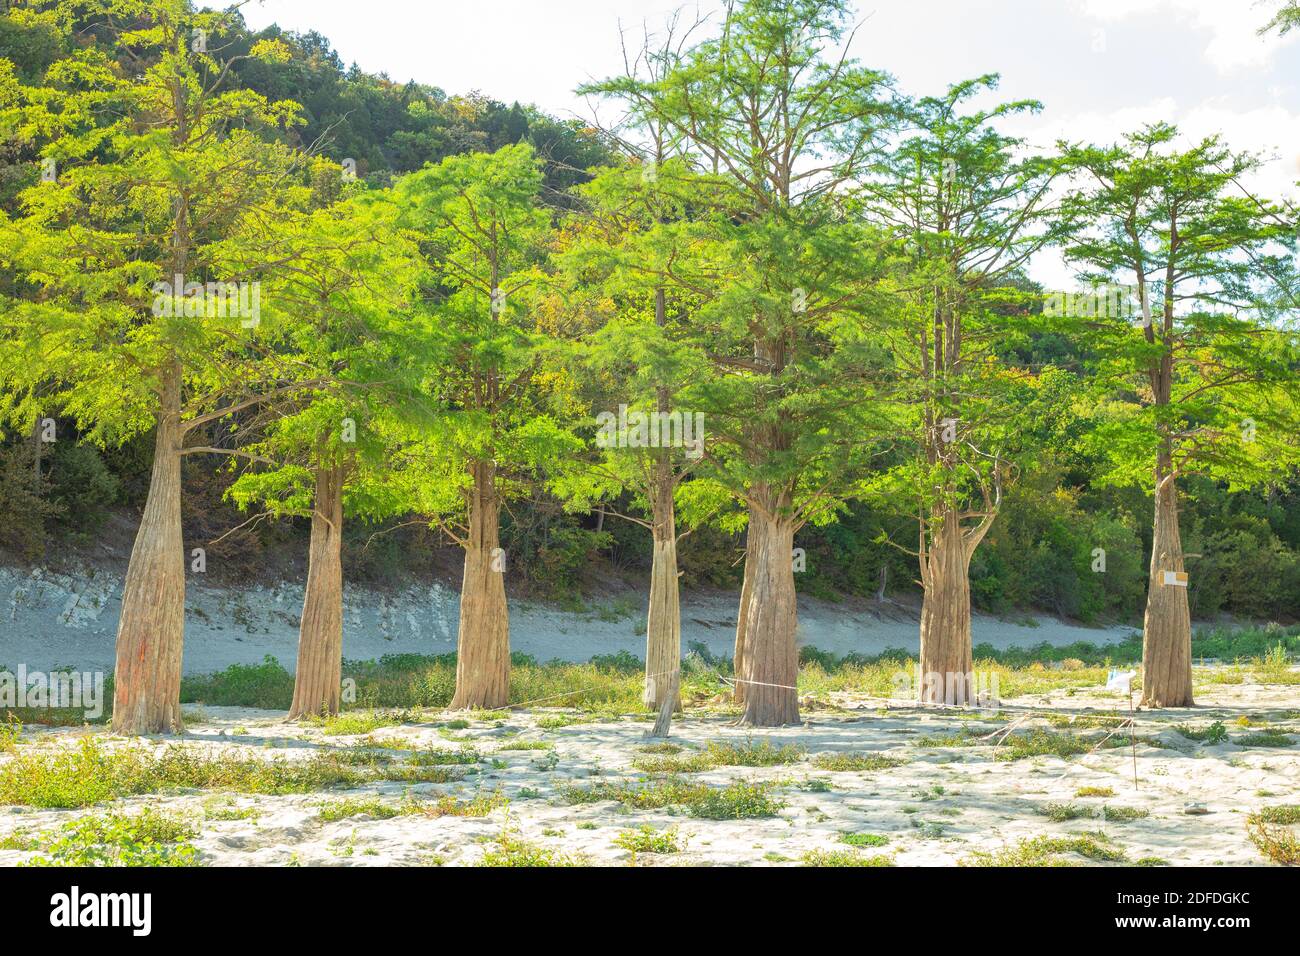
<point>1040,553</point>
<point>148,838</point>
<point>81,487</point>
<point>23,503</point>
<point>266,685</point>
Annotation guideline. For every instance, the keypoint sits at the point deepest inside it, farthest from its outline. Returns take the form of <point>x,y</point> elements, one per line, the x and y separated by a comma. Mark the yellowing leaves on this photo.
<point>271,51</point>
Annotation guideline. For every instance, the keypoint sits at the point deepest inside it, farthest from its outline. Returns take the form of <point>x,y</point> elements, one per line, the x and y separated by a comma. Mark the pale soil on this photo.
<point>983,804</point>
<point>50,620</point>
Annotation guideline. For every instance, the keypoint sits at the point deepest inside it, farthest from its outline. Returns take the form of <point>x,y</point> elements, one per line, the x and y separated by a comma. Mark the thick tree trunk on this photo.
<point>742,616</point>
<point>664,622</point>
<point>151,629</point>
<point>483,642</point>
<point>317,684</point>
<point>1167,626</point>
<point>771,657</point>
<point>946,668</point>
<point>663,655</point>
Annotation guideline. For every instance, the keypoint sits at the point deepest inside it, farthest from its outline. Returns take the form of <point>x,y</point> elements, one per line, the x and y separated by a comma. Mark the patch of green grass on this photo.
<point>527,745</point>
<point>646,839</point>
<point>361,756</point>
<point>928,830</point>
<point>418,774</point>
<point>1107,720</point>
<point>750,754</point>
<point>1061,812</point>
<point>58,716</point>
<point>670,763</point>
<point>843,762</point>
<point>736,801</point>
<point>1038,743</point>
<point>1120,740</point>
<point>957,738</point>
<point>1124,814</point>
<point>359,721</point>
<point>512,851</point>
<point>359,807</point>
<point>1017,672</point>
<point>1094,792</point>
<point>548,762</point>
<point>458,724</point>
<point>1276,663</point>
<point>480,805</point>
<point>556,721</point>
<point>1285,815</point>
<point>1151,861</point>
<point>842,858</point>
<point>1215,733</point>
<point>148,838</point>
<point>226,814</point>
<point>437,756</point>
<point>20,840</point>
<point>661,748</point>
<point>1268,738</point>
<point>863,839</point>
<point>92,773</point>
<point>183,768</point>
<point>1047,851</point>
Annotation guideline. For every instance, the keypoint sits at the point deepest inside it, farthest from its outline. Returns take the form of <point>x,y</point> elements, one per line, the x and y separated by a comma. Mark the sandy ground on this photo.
<point>936,809</point>
<point>49,620</point>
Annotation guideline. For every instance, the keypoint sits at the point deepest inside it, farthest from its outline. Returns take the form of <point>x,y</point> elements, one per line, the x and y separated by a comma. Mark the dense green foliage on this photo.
<point>290,93</point>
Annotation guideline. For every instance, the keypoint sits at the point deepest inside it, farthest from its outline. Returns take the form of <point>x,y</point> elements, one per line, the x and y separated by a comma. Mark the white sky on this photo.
<point>1100,67</point>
